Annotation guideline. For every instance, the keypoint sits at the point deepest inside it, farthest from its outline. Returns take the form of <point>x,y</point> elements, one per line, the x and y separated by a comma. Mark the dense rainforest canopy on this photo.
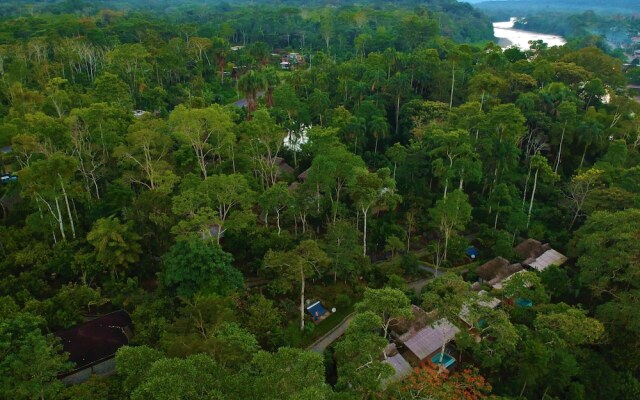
<point>209,168</point>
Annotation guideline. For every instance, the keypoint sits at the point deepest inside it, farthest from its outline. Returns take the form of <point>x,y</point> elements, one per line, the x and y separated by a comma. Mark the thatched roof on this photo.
<point>504,274</point>
<point>490,269</point>
<point>283,167</point>
<point>407,327</point>
<point>304,175</point>
<point>531,249</point>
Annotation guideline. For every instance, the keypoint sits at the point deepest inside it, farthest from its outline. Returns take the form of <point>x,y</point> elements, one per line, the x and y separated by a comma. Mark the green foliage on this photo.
<point>133,363</point>
<point>195,266</point>
<point>288,373</point>
<point>30,359</point>
<point>67,307</point>
<point>388,304</point>
<point>195,377</point>
<point>115,243</point>
<point>358,353</point>
<point>481,145</point>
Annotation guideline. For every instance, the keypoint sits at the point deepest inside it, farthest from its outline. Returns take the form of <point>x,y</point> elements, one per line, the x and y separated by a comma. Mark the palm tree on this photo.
<point>250,85</point>
<point>270,81</point>
<point>221,50</point>
<point>591,132</point>
<point>397,87</point>
<point>116,245</point>
<point>379,127</point>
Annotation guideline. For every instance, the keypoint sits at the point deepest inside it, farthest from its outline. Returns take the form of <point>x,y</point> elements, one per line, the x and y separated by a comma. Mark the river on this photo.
<point>514,37</point>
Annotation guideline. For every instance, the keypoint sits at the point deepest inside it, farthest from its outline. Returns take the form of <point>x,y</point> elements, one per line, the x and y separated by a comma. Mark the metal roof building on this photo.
<point>431,339</point>
<point>548,258</point>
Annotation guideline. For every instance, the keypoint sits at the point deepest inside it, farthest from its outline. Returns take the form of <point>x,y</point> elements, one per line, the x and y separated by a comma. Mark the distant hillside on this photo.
<point>506,8</point>
<point>456,20</point>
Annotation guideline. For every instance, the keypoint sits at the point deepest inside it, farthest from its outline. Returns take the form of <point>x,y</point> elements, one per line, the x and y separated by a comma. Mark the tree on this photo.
<point>214,205</point>
<point>504,126</point>
<point>130,61</point>
<point>30,359</point>
<point>539,164</point>
<point>285,98</point>
<point>341,245</point>
<point>276,198</point>
<point>264,140</point>
<point>251,84</point>
<point>525,285</point>
<point>193,330</point>
<point>133,363</point>
<point>452,147</point>
<point>451,214</point>
<point>233,347</point>
<point>111,89</point>
<point>146,153</point>
<point>358,355</point>
<point>330,171</point>
<point>488,84</point>
<point>319,103</point>
<point>379,128</point>
<point>368,190</point>
<point>569,326</point>
<point>607,249</point>
<point>221,50</point>
<point>591,131</point>
<point>116,245</point>
<point>95,132</point>
<point>390,305</point>
<point>196,266</point>
<point>567,112</point>
<point>50,182</point>
<point>579,189</point>
<point>306,260</point>
<point>263,319</point>
<point>288,373</point>
<point>445,296</point>
<point>427,382</point>
<point>195,377</point>
<point>397,87</point>
<point>207,130</point>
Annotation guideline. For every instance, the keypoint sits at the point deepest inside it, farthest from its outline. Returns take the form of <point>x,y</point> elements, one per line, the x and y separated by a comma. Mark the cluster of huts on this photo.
<point>423,340</point>
<point>535,256</point>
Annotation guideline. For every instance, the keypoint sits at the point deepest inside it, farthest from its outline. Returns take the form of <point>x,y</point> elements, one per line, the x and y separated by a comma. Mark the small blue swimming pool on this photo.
<point>524,303</point>
<point>443,359</point>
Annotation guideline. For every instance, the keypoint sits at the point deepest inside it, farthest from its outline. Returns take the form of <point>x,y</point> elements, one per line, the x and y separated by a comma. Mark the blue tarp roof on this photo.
<point>472,252</point>
<point>316,310</point>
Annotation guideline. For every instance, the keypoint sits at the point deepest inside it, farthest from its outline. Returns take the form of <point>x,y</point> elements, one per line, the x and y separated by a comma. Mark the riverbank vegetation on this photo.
<point>213,168</point>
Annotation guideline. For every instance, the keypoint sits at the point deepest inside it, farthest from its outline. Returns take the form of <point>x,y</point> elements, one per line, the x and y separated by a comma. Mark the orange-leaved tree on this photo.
<point>428,382</point>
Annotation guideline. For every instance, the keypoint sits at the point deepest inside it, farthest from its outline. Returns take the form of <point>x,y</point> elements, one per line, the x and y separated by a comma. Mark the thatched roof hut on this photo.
<point>490,269</point>
<point>531,249</point>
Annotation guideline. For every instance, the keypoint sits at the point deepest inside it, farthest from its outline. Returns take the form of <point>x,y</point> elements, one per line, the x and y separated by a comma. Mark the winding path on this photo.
<point>419,284</point>
<point>243,102</point>
<point>325,341</point>
<point>433,271</point>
